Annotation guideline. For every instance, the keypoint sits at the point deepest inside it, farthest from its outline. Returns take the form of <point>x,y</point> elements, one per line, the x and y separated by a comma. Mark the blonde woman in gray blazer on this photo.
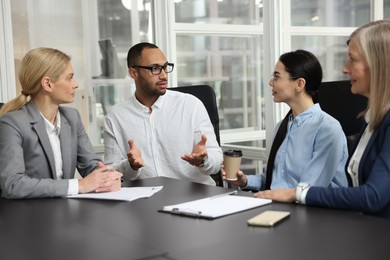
<point>41,142</point>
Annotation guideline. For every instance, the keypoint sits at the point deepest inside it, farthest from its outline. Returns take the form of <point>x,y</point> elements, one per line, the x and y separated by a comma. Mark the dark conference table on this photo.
<point>97,229</point>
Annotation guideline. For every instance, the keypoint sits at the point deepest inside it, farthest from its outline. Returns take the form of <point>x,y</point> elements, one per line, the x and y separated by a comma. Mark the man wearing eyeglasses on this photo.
<point>159,132</point>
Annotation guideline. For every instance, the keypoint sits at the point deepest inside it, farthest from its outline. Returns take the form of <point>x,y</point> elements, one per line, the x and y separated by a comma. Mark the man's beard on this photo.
<point>150,90</point>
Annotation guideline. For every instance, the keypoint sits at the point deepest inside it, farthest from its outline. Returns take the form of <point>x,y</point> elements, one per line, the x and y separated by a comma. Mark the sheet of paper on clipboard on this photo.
<point>215,206</point>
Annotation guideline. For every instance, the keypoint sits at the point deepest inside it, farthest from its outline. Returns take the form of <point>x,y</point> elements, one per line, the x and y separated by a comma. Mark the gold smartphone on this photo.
<point>268,218</point>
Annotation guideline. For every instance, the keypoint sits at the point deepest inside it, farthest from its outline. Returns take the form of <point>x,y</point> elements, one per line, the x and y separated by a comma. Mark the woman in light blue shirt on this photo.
<point>309,145</point>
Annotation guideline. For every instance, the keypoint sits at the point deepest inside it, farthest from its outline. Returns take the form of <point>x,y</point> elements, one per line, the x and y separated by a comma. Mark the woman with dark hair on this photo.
<point>368,67</point>
<point>309,145</point>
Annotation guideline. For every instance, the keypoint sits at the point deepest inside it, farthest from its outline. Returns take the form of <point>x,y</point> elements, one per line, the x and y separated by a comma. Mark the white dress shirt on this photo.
<point>353,166</point>
<point>171,130</point>
<point>53,131</point>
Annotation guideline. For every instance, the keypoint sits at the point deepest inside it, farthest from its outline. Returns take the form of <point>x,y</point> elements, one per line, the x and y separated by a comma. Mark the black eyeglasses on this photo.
<point>157,69</point>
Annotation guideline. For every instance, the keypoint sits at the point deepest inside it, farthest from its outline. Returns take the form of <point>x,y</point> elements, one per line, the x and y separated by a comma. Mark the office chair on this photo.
<point>206,94</point>
<point>1,104</point>
<point>336,99</point>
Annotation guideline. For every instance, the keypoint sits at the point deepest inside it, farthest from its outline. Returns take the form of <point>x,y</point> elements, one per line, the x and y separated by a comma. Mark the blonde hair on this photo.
<point>36,64</point>
<point>374,42</point>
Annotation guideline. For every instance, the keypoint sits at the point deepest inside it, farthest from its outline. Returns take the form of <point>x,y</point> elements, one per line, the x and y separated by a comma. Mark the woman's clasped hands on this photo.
<point>103,179</point>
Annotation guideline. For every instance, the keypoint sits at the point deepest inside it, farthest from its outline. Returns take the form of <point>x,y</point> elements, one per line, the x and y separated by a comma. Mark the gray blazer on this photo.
<point>27,167</point>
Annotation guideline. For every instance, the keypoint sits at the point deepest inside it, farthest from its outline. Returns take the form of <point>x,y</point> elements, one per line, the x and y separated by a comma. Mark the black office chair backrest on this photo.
<point>336,98</point>
<point>206,94</point>
<point>1,104</point>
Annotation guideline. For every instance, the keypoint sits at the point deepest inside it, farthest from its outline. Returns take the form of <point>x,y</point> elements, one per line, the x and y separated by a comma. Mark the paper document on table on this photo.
<point>124,194</point>
<point>215,206</point>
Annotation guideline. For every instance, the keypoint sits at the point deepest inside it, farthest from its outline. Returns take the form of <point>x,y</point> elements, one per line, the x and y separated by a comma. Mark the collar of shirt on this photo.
<point>298,120</point>
<point>157,105</point>
<point>50,128</point>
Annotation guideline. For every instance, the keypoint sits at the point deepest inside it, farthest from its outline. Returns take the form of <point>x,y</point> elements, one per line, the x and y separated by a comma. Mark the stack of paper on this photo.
<point>125,194</point>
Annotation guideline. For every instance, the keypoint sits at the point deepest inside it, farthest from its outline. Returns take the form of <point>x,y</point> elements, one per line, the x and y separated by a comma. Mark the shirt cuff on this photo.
<point>204,161</point>
<point>129,173</point>
<point>253,182</point>
<point>301,193</point>
<point>73,187</point>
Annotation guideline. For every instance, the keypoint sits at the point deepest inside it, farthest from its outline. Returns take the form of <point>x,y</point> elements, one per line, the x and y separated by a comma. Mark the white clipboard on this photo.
<point>216,206</point>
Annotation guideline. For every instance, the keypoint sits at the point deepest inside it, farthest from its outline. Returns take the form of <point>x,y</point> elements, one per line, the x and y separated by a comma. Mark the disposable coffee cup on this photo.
<point>231,163</point>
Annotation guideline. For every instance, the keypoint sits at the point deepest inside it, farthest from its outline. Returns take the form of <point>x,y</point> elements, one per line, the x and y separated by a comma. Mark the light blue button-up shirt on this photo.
<point>314,151</point>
